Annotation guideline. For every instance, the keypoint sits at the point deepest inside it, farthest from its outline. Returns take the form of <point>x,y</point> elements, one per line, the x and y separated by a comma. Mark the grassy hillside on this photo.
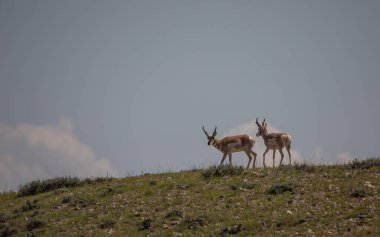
<point>300,200</point>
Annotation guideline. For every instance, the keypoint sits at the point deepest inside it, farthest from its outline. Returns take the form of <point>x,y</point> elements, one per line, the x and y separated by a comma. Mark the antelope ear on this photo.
<point>265,125</point>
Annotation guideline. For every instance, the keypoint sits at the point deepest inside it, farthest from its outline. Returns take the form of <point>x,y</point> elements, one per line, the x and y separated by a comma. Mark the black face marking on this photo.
<point>210,140</point>
<point>261,131</point>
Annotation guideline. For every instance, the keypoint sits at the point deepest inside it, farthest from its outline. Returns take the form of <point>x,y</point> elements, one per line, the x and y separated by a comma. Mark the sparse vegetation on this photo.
<point>144,225</point>
<point>280,188</point>
<point>358,192</point>
<point>28,206</point>
<point>82,202</point>
<point>108,223</point>
<point>193,223</point>
<point>66,199</point>
<point>304,167</point>
<point>243,185</point>
<point>221,171</point>
<point>6,230</point>
<point>3,218</point>
<point>41,186</point>
<point>34,224</point>
<point>174,214</point>
<point>336,200</point>
<point>108,191</point>
<point>231,230</point>
<point>365,164</point>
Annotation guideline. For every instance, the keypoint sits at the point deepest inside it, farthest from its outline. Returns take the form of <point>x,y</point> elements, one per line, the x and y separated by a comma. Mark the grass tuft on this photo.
<point>280,188</point>
<point>108,223</point>
<point>304,167</point>
<point>222,171</point>
<point>3,218</point>
<point>66,199</point>
<point>41,186</point>
<point>193,223</point>
<point>7,230</point>
<point>174,214</point>
<point>108,191</point>
<point>232,230</point>
<point>82,202</point>
<point>365,164</point>
<point>358,192</point>
<point>243,185</point>
<point>34,224</point>
<point>29,206</point>
<point>144,225</point>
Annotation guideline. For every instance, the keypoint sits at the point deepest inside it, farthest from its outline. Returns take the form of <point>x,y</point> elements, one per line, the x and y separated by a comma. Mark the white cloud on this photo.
<point>320,156</point>
<point>29,152</point>
<point>250,129</point>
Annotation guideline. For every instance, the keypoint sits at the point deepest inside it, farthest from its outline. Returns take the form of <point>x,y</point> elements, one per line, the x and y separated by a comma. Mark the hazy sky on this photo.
<point>123,87</point>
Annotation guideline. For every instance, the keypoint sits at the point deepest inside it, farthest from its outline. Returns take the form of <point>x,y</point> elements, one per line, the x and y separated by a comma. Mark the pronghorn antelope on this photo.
<point>274,141</point>
<point>229,145</point>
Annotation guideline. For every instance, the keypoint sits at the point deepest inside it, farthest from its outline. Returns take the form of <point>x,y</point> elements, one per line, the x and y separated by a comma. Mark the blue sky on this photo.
<point>124,87</point>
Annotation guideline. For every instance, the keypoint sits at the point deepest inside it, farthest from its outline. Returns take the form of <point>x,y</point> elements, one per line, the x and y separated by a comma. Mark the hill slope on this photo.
<point>297,201</point>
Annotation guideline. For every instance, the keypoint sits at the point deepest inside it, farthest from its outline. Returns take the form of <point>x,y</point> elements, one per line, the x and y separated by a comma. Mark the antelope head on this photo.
<point>211,139</point>
<point>262,128</point>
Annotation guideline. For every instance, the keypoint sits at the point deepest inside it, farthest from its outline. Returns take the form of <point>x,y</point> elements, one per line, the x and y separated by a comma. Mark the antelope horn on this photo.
<point>263,122</point>
<point>205,131</point>
<point>214,133</point>
<point>257,122</point>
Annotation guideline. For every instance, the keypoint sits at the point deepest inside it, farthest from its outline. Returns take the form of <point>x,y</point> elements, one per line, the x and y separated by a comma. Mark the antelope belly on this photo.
<point>273,143</point>
<point>235,146</point>
<point>235,149</point>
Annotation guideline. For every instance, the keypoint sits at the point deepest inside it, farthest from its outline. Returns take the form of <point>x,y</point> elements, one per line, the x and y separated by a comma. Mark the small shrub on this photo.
<point>31,234</point>
<point>109,223</point>
<point>360,212</point>
<point>364,164</point>
<point>232,230</point>
<point>191,223</point>
<point>28,206</point>
<point>3,218</point>
<point>174,214</point>
<point>246,185</point>
<point>66,199</point>
<point>144,225</point>
<point>7,231</point>
<point>82,202</point>
<point>243,185</point>
<point>38,186</point>
<point>280,188</point>
<point>108,191</point>
<point>358,193</point>
<point>34,224</point>
<point>96,180</point>
<point>304,167</point>
<point>221,171</point>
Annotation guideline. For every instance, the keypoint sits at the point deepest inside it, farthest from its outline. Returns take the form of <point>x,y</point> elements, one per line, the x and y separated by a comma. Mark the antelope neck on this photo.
<point>216,144</point>
<point>264,133</point>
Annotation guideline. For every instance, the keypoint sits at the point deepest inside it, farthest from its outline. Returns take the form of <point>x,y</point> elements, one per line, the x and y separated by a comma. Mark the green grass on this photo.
<point>302,200</point>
